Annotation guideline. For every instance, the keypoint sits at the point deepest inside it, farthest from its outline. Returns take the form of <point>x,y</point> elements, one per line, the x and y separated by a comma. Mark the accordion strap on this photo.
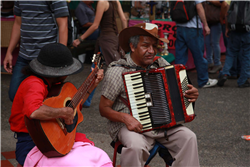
<point>125,101</point>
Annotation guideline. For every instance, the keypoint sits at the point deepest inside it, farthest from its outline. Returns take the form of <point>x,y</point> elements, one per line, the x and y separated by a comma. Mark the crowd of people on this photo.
<point>45,61</point>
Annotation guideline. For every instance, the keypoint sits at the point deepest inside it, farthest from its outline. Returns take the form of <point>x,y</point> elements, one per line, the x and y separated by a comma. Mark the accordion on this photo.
<point>156,96</point>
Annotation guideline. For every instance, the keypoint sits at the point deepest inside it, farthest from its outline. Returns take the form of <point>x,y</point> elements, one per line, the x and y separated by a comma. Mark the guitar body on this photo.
<point>52,139</point>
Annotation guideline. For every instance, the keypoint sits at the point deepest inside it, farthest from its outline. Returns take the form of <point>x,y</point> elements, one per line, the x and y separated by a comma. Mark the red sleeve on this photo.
<point>34,96</point>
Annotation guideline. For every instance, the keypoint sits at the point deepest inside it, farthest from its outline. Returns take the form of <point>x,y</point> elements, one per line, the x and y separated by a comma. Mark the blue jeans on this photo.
<point>23,146</point>
<point>238,45</point>
<point>187,38</point>
<point>17,76</point>
<point>212,42</point>
<point>88,101</point>
<point>225,39</point>
<point>235,70</point>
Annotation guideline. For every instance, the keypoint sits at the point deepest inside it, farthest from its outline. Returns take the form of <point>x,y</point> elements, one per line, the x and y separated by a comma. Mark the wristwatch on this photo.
<point>80,39</point>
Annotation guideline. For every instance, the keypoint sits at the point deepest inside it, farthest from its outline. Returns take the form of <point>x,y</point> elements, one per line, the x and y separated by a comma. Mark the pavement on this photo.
<point>223,116</point>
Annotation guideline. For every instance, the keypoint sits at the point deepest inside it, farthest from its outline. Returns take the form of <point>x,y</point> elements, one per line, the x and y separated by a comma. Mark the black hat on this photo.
<point>55,60</point>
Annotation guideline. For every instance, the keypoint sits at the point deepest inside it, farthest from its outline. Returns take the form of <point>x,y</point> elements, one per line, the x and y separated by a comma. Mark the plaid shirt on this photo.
<point>113,87</point>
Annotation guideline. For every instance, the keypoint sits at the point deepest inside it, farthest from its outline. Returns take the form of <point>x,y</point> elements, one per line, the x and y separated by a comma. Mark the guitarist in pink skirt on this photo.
<point>29,103</point>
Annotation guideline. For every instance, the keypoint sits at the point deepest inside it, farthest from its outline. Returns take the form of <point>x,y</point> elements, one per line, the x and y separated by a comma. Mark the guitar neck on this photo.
<point>84,88</point>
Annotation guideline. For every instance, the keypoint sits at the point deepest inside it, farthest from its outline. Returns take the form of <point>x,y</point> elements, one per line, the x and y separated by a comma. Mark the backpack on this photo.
<point>182,11</point>
<point>71,26</point>
<point>238,17</point>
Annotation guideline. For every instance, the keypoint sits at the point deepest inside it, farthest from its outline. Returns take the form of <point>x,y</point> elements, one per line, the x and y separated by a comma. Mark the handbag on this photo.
<point>212,13</point>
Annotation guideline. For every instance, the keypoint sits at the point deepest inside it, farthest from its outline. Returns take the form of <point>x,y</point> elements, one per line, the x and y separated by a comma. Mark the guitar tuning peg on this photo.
<point>93,59</point>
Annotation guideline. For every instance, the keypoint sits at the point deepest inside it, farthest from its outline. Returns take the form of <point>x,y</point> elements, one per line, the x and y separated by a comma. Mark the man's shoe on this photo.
<point>222,80</point>
<point>232,77</point>
<point>210,65</point>
<point>210,83</point>
<point>215,69</point>
<point>246,84</point>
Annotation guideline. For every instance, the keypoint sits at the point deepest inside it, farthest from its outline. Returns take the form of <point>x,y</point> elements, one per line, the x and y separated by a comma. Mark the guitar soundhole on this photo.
<point>71,127</point>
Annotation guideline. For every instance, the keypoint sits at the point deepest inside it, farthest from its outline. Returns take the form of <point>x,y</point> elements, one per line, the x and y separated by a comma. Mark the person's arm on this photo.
<point>46,113</point>
<point>121,15</point>
<point>201,13</point>
<point>82,17</point>
<point>88,24</point>
<point>223,11</point>
<point>62,23</point>
<point>105,108</point>
<point>216,3</point>
<point>102,6</point>
<point>223,15</point>
<point>15,37</point>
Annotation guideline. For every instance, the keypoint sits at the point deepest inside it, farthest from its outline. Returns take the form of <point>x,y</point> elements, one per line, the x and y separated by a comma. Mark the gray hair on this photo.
<point>134,40</point>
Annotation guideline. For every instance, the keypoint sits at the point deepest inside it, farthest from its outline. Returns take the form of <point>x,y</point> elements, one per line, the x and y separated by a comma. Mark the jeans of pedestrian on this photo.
<point>212,42</point>
<point>238,45</point>
<point>88,101</point>
<point>225,39</point>
<point>235,70</point>
<point>17,76</point>
<point>187,38</point>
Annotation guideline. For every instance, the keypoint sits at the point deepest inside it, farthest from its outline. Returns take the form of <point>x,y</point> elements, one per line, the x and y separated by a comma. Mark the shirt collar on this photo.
<point>130,60</point>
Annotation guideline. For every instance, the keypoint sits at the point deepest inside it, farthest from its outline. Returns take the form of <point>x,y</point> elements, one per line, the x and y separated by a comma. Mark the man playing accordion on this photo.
<point>140,43</point>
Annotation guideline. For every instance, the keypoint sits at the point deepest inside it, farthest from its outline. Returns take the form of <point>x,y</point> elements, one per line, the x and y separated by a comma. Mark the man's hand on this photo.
<point>192,93</point>
<point>7,63</point>
<point>132,123</point>
<point>99,77</point>
<point>76,42</point>
<point>207,30</point>
<point>67,115</point>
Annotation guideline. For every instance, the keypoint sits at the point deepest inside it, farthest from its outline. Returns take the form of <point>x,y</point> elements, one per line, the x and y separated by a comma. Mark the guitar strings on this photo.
<point>82,91</point>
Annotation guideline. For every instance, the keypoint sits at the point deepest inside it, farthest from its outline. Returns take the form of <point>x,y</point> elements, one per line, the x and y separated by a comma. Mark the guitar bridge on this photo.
<point>62,126</point>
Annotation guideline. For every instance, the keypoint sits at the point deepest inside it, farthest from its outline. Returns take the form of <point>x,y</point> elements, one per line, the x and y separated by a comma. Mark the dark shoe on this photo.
<point>246,84</point>
<point>215,69</point>
<point>232,77</point>
<point>222,80</point>
<point>210,65</point>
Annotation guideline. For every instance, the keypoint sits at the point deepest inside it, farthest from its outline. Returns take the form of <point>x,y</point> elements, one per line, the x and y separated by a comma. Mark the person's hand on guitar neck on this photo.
<point>99,77</point>
<point>46,113</point>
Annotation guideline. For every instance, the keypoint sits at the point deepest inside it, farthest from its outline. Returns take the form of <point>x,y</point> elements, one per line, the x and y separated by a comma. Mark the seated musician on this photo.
<point>52,66</point>
<point>140,43</point>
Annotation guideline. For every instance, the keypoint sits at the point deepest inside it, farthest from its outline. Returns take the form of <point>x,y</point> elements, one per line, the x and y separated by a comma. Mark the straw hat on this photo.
<point>142,29</point>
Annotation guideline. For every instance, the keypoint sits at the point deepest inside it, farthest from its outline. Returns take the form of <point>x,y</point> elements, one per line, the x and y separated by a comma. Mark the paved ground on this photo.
<point>223,116</point>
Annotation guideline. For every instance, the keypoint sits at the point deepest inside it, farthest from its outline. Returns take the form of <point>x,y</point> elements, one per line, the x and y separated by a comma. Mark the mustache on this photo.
<point>149,54</point>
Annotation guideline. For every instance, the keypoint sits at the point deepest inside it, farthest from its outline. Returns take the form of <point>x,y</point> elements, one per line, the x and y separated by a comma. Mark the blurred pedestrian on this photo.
<point>108,40</point>
<point>189,36</point>
<point>34,27</point>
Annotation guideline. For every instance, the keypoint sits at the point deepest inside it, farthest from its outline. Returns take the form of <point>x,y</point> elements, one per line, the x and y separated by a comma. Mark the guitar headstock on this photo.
<point>97,59</point>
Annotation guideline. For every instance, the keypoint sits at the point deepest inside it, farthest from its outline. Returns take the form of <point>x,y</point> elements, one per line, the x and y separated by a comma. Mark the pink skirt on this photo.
<point>82,154</point>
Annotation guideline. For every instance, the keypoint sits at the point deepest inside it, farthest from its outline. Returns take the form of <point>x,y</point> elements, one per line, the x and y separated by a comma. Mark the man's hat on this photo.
<point>55,60</point>
<point>142,29</point>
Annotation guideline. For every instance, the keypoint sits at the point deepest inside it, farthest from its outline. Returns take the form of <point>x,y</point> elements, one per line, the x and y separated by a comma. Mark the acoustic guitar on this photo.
<point>53,137</point>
